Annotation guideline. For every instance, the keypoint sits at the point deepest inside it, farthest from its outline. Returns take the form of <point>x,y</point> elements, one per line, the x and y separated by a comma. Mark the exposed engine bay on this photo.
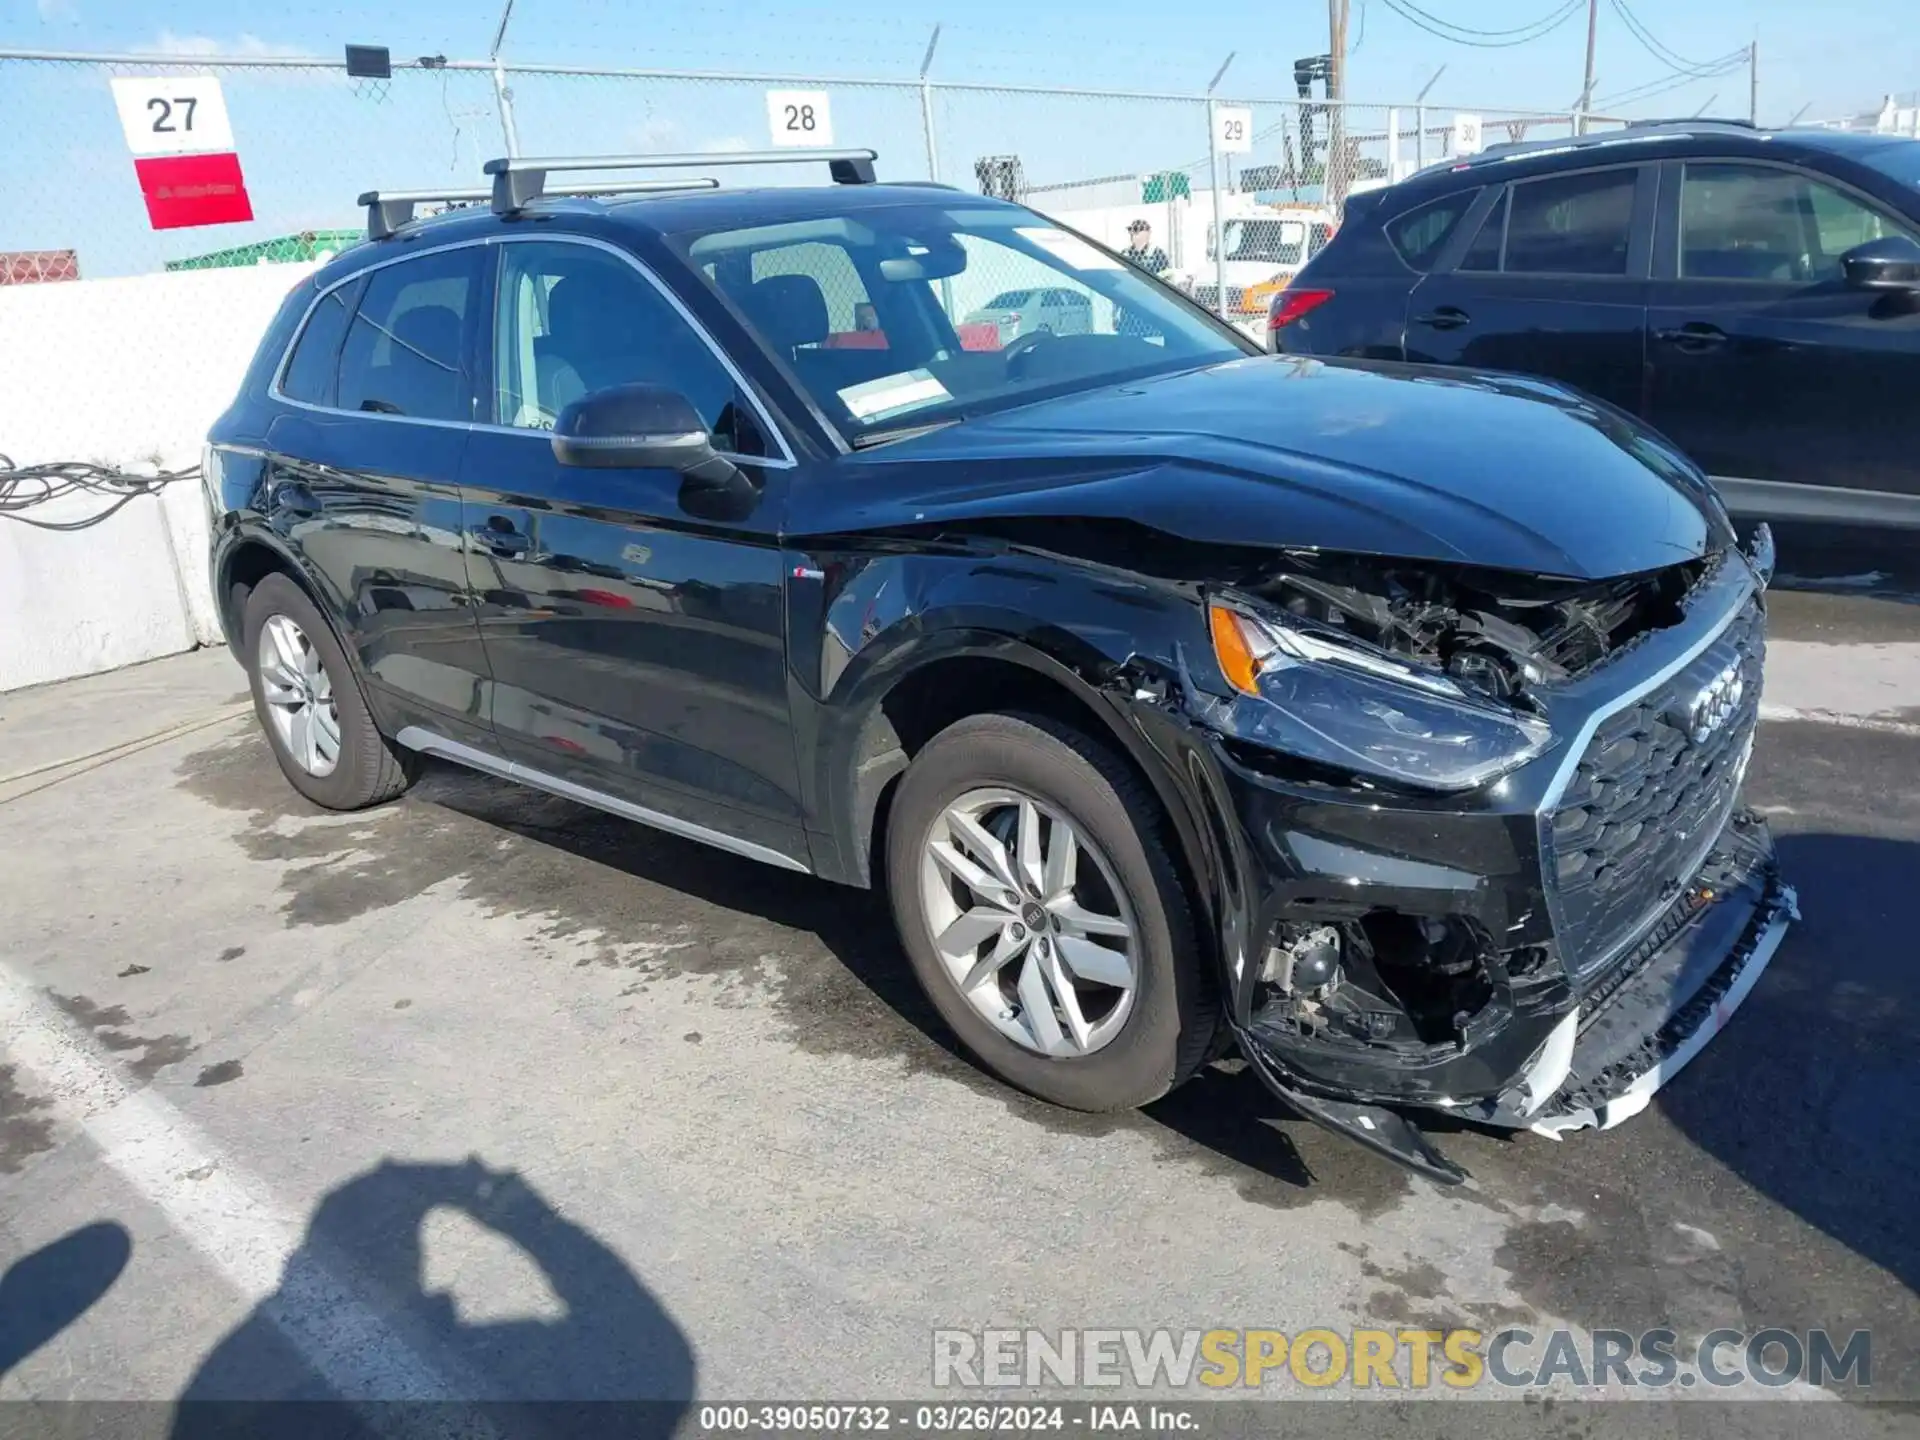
<point>1495,632</point>
<point>1341,981</point>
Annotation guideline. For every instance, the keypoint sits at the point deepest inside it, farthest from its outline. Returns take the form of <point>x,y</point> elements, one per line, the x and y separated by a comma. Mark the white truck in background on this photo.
<point>1267,244</point>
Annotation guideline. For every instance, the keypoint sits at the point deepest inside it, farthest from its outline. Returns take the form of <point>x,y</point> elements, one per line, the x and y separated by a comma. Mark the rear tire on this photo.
<point>310,705</point>
<point>1006,768</point>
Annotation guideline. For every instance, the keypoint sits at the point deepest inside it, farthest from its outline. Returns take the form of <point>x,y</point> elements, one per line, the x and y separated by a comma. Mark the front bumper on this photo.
<point>1659,1010</point>
<point>1620,905</point>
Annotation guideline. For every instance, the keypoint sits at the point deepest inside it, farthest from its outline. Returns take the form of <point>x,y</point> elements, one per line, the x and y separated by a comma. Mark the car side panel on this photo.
<point>634,649</point>
<point>1783,383</point>
<point>373,508</point>
<point>1588,331</point>
<point>1366,318</point>
<point>864,622</point>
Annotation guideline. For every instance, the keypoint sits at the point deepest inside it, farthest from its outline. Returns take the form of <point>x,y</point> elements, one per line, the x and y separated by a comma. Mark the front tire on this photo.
<point>1043,915</point>
<point>310,705</point>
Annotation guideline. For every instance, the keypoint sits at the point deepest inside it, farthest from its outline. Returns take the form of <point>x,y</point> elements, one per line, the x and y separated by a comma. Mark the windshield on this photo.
<point>886,316</point>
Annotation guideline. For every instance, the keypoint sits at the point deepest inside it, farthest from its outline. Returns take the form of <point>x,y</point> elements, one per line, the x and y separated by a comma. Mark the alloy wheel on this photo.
<point>299,696</point>
<point>1029,922</point>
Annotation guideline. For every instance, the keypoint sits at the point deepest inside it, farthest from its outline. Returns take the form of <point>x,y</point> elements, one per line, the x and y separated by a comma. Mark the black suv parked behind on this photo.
<point>1752,294</point>
<point>1388,722</point>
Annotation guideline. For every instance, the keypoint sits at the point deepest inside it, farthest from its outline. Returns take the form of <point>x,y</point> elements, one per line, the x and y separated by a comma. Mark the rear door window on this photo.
<point>1483,254</point>
<point>310,368</point>
<point>1572,224</point>
<point>1420,234</point>
<point>405,352</point>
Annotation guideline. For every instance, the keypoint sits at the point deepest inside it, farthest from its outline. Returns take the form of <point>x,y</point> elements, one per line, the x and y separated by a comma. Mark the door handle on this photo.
<point>1694,335</point>
<point>1445,317</point>
<point>499,537</point>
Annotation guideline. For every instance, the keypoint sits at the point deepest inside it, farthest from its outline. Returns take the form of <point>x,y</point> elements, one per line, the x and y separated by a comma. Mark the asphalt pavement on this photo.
<point>482,1093</point>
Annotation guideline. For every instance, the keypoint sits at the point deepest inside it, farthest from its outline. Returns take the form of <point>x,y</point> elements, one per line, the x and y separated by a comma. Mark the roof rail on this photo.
<point>388,210</point>
<point>519,180</point>
<point>1693,120</point>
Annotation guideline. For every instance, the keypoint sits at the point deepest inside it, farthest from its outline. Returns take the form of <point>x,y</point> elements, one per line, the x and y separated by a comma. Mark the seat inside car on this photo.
<point>790,312</point>
<point>580,352</point>
<point>423,360</point>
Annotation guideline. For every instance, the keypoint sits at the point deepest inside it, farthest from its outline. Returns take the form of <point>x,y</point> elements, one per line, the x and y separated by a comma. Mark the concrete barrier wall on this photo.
<point>125,372</point>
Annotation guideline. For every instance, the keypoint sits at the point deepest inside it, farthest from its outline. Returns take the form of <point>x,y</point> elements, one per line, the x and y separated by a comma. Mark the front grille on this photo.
<point>1647,798</point>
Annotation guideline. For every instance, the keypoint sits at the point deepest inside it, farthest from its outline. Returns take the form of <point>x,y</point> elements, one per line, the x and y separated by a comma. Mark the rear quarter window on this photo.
<point>1418,235</point>
<point>310,369</point>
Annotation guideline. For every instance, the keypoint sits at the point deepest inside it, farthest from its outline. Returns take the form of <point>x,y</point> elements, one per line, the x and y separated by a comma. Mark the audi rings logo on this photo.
<point>1716,703</point>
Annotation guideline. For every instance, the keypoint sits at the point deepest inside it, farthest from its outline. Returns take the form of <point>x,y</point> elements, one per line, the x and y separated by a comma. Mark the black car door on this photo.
<point>1552,283</point>
<point>1783,382</point>
<point>377,401</point>
<point>636,638</point>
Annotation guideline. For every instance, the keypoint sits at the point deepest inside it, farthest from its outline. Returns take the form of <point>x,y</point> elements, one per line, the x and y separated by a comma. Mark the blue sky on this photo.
<point>310,141</point>
<point>1838,56</point>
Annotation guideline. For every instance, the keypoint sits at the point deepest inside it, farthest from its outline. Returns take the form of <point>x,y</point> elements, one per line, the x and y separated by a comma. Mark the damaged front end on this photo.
<point>1493,861</point>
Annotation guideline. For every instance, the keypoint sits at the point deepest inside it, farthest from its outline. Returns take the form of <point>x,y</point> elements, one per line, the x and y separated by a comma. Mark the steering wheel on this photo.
<point>1023,346</point>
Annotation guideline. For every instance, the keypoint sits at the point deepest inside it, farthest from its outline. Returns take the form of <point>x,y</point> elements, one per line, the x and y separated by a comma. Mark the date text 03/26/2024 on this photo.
<point>945,1418</point>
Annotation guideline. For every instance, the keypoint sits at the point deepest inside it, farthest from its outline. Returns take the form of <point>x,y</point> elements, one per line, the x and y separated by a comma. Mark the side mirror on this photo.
<point>632,427</point>
<point>1890,263</point>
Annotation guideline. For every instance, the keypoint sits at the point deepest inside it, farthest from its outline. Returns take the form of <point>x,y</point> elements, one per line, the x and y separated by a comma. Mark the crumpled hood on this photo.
<point>1413,461</point>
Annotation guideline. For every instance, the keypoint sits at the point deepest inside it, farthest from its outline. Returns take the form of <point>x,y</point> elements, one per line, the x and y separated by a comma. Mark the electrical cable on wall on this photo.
<point>26,487</point>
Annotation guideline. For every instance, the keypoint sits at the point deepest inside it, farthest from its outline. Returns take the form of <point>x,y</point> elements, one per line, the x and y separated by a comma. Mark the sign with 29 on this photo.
<point>1232,129</point>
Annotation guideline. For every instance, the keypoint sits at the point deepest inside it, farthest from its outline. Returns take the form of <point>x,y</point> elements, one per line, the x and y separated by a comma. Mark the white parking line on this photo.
<point>228,1216</point>
<point>1880,723</point>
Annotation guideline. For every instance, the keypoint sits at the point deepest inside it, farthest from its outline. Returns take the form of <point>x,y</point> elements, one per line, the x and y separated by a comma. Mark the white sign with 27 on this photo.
<point>172,114</point>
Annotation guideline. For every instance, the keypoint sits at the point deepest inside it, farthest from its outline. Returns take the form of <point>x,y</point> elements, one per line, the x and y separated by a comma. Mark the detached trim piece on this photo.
<point>1778,912</point>
<point>415,737</point>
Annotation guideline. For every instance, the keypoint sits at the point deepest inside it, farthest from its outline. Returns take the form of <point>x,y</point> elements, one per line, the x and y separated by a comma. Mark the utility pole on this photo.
<point>1753,81</point>
<point>1333,179</point>
<point>502,94</point>
<point>1586,86</point>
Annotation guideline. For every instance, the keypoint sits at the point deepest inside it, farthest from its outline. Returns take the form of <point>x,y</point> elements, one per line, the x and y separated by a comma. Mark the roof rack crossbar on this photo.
<point>519,180</point>
<point>388,210</point>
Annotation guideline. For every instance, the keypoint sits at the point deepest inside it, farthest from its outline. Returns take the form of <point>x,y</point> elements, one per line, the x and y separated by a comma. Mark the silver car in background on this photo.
<point>1039,311</point>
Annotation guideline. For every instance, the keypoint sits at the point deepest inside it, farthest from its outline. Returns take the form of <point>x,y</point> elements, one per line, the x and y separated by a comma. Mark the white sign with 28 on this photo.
<point>799,117</point>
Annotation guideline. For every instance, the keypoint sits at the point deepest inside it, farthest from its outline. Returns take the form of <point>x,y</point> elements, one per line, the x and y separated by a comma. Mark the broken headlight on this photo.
<point>1341,703</point>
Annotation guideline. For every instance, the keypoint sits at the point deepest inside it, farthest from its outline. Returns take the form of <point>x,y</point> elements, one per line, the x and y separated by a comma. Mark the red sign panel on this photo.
<point>184,190</point>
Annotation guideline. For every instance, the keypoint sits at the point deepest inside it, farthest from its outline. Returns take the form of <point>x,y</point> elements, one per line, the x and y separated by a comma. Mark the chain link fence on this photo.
<point>1237,193</point>
<point>310,139</point>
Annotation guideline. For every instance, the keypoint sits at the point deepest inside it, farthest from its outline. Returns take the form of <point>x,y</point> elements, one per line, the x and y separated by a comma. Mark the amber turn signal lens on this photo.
<point>1230,648</point>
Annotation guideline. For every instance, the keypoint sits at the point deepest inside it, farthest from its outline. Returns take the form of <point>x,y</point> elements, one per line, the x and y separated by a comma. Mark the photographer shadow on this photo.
<point>353,1344</point>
